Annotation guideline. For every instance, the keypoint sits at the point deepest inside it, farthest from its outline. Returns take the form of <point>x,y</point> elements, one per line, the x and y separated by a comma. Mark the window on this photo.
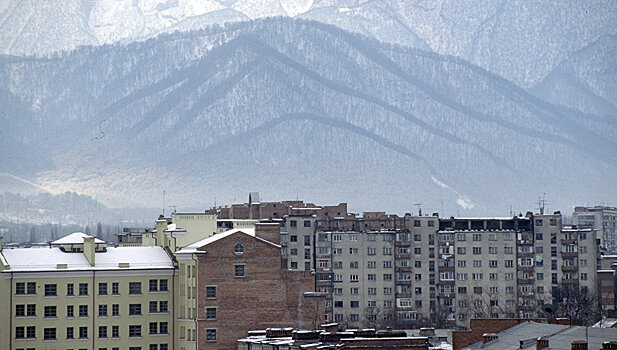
<point>372,291</point>
<point>509,263</point>
<point>477,290</point>
<point>293,223</point>
<point>307,253</point>
<point>163,328</point>
<point>70,310</point>
<point>583,276</point>
<point>476,276</point>
<point>83,289</point>
<point>460,237</point>
<point>387,264</point>
<point>462,290</point>
<point>477,250</point>
<point>353,251</point>
<point>417,264</point>
<point>354,304</point>
<point>211,333</point>
<point>115,288</point>
<point>20,310</point>
<point>83,332</point>
<point>372,251</point>
<point>163,285</point>
<point>387,277</point>
<point>371,264</point>
<point>31,288</point>
<point>293,238</point>
<point>51,290</point>
<point>307,223</point>
<point>102,331</point>
<point>354,290</point>
<point>492,250</point>
<point>493,276</point>
<point>70,333</point>
<point>508,250</point>
<point>83,310</point>
<point>387,251</point>
<point>462,263</point>
<point>153,307</point>
<point>49,333</point>
<point>353,278</point>
<point>538,236</point>
<point>293,251</point>
<point>461,250</point>
<point>154,327</point>
<point>115,310</point>
<point>293,265</point>
<point>115,331</point>
<point>553,222</point>
<point>372,277</point>
<point>508,276</point>
<point>153,285</point>
<point>538,222</point>
<point>492,263</point>
<point>387,290</point>
<point>539,276</point>
<point>134,309</point>
<point>477,237</point>
<point>103,310</point>
<point>210,313</point>
<point>70,289</point>
<point>477,263</point>
<point>102,288</point>
<point>353,264</point>
<point>239,270</point>
<point>238,249</point>
<point>50,311</point>
<point>134,331</point>
<point>307,240</point>
<point>134,288</point>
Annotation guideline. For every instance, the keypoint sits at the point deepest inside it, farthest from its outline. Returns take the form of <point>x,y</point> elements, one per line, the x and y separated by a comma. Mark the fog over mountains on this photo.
<point>372,114</point>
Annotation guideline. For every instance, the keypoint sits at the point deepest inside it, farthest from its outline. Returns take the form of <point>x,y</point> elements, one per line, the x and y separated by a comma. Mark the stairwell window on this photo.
<point>134,288</point>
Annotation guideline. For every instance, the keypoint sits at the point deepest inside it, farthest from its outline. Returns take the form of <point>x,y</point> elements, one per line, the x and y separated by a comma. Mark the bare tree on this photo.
<point>580,306</point>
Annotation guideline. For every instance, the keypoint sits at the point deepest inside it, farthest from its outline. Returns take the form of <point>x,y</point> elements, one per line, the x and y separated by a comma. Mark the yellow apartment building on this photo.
<point>78,293</point>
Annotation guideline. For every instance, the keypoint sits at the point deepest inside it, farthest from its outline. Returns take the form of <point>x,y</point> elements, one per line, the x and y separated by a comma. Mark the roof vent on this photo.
<point>124,265</point>
<point>62,266</point>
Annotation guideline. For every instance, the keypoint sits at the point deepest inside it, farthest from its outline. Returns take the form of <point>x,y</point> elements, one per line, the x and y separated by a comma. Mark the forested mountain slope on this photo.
<point>296,108</point>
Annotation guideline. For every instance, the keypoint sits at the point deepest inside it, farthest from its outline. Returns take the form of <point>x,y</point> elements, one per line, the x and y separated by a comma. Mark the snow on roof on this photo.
<point>174,228</point>
<point>75,238</point>
<point>193,248</point>
<point>42,259</point>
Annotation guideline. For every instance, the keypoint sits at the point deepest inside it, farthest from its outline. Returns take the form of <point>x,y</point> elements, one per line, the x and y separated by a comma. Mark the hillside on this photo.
<point>295,108</point>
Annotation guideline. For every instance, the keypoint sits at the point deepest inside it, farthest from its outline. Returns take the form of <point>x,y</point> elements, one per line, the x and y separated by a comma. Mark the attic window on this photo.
<point>238,249</point>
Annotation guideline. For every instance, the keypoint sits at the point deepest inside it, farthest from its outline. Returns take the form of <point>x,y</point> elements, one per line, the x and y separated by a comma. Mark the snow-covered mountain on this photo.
<point>519,40</point>
<point>295,108</point>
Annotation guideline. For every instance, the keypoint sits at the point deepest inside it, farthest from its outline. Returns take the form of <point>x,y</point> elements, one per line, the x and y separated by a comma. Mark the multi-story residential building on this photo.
<point>601,218</point>
<point>431,270</point>
<point>79,293</point>
<point>234,283</point>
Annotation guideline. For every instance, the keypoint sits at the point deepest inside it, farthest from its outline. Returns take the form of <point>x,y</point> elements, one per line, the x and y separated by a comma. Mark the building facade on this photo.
<point>78,293</point>
<point>601,218</point>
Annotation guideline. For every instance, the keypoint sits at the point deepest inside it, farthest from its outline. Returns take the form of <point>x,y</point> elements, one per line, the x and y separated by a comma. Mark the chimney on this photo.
<point>330,327</point>
<point>487,337</point>
<point>609,345</point>
<point>427,332</point>
<point>541,343</point>
<point>89,249</point>
<point>578,345</point>
<point>270,231</point>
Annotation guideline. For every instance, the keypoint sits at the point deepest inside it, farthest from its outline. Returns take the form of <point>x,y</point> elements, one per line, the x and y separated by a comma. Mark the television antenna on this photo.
<point>419,208</point>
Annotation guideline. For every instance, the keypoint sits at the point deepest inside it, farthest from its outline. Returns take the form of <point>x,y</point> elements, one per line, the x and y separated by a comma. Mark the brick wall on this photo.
<point>264,297</point>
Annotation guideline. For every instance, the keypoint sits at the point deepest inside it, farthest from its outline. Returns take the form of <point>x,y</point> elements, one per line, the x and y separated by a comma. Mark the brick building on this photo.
<point>240,286</point>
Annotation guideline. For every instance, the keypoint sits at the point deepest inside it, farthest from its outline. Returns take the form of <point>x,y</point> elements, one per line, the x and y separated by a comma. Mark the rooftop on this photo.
<point>74,238</point>
<point>194,247</point>
<point>54,259</point>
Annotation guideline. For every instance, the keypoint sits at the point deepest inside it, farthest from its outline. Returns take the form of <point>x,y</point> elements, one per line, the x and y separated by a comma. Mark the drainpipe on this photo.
<point>11,313</point>
<point>93,308</point>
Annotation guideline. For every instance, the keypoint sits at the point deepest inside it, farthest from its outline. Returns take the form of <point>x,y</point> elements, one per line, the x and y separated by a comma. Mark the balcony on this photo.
<point>524,241</point>
<point>568,241</point>
<point>445,295</point>
<point>403,269</point>
<point>525,255</point>
<point>404,295</point>
<point>525,267</point>
<point>525,280</point>
<point>569,280</point>
<point>527,307</point>
<point>446,268</point>
<point>569,268</point>
<point>569,254</point>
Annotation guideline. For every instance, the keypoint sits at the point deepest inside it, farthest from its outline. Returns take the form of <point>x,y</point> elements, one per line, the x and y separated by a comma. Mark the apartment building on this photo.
<point>79,293</point>
<point>424,269</point>
<point>601,218</point>
<point>234,283</point>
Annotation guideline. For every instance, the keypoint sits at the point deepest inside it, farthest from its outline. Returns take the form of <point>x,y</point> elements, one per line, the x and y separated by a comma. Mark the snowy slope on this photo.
<point>296,108</point>
<point>520,40</point>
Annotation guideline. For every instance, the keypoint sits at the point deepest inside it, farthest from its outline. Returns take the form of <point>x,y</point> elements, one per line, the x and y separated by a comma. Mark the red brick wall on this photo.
<point>265,297</point>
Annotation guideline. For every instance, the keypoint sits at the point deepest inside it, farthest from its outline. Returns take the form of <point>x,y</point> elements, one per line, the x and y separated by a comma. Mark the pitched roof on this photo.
<point>75,238</point>
<point>193,248</point>
<point>47,259</point>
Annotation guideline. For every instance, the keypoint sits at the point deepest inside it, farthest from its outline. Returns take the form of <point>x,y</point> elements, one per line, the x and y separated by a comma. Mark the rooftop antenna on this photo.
<point>542,203</point>
<point>163,203</point>
<point>419,208</point>
<point>173,206</point>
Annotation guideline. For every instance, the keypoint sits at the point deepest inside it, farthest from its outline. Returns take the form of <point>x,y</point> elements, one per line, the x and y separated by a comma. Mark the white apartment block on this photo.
<point>603,219</point>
